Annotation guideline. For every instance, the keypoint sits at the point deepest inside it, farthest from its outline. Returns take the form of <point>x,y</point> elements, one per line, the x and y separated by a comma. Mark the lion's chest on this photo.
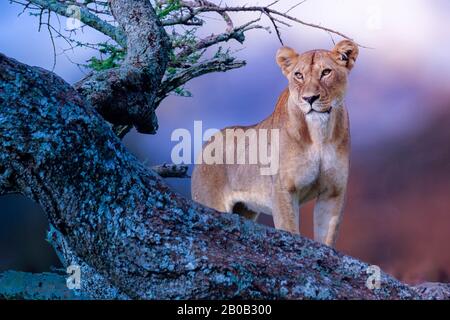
<point>313,171</point>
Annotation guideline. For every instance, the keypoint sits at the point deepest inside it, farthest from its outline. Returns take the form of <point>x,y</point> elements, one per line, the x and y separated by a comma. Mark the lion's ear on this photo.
<point>286,59</point>
<point>345,53</point>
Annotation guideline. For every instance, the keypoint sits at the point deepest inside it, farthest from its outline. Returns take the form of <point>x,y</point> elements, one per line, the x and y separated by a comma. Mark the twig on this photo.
<point>220,64</point>
<point>87,17</point>
<point>171,171</point>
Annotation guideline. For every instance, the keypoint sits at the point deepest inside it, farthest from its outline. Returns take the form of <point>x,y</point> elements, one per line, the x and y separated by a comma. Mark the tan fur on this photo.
<point>314,149</point>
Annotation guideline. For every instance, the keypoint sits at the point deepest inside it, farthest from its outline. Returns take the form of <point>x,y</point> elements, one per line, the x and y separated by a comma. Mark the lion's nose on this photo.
<point>311,99</point>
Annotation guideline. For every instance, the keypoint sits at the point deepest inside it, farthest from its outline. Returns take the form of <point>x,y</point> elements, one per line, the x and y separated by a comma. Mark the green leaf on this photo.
<point>114,57</point>
<point>172,5</point>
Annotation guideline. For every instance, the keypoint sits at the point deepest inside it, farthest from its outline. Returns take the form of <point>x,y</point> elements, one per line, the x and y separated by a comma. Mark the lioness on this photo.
<point>314,146</point>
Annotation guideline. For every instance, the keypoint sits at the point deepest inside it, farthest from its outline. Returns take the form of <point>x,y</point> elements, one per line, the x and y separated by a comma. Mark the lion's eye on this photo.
<point>298,75</point>
<point>326,72</point>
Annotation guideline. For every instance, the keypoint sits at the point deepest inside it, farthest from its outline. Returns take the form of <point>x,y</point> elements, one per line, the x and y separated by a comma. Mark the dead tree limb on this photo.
<point>171,171</point>
<point>86,16</point>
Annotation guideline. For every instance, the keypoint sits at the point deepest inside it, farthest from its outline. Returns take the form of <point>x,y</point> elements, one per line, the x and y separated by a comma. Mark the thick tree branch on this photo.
<point>126,95</point>
<point>92,283</point>
<point>123,222</point>
<point>433,291</point>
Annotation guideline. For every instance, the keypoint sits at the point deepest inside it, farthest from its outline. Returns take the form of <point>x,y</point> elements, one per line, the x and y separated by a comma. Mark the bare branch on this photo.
<point>193,9</point>
<point>236,34</point>
<point>219,64</point>
<point>294,6</point>
<point>86,16</point>
<point>171,171</point>
<point>272,14</point>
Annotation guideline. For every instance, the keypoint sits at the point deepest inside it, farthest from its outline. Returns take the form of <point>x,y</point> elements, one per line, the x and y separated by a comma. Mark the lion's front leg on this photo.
<point>327,218</point>
<point>285,212</point>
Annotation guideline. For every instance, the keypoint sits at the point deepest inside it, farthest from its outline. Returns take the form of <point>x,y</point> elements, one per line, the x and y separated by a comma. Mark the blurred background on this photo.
<point>398,209</point>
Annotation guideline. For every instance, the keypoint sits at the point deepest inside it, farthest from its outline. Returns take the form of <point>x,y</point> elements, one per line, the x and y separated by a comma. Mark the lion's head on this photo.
<point>318,78</point>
